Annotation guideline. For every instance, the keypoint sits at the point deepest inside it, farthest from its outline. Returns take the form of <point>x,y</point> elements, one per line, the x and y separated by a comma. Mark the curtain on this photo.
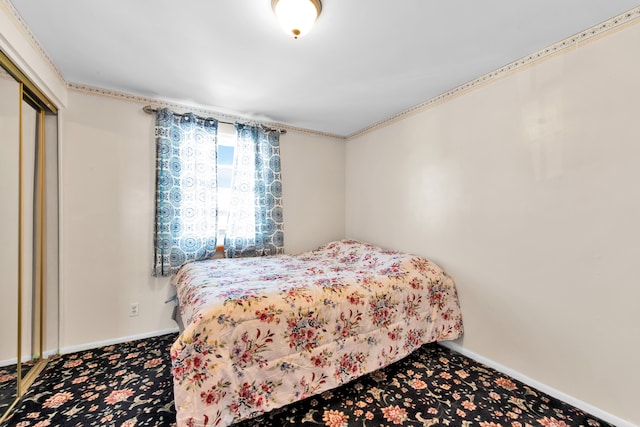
<point>186,218</point>
<point>255,226</point>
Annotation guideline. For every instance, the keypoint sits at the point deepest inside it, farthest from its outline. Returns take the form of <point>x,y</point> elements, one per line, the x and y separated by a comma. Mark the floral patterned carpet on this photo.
<point>130,384</point>
<point>127,384</point>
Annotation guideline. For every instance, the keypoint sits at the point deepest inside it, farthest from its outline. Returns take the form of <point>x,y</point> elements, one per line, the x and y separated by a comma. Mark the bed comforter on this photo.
<point>261,333</point>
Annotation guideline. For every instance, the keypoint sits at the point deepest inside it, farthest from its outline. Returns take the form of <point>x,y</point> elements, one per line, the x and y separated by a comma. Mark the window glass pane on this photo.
<point>225,155</point>
<point>224,177</point>
<point>226,146</point>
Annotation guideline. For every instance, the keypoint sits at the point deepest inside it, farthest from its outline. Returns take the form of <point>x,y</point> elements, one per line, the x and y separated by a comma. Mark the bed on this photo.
<point>260,333</point>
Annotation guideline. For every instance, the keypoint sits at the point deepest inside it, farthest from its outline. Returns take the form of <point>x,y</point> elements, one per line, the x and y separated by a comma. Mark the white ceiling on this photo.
<point>364,61</point>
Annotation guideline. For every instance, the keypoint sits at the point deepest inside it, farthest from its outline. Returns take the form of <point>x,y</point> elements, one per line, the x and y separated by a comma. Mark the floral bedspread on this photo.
<point>264,332</point>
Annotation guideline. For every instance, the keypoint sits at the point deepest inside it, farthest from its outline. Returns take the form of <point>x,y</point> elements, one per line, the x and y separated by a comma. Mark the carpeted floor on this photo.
<point>8,390</point>
<point>7,387</point>
<point>130,385</point>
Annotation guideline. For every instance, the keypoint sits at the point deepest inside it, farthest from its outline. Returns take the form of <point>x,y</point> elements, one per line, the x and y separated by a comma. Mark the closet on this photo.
<point>28,233</point>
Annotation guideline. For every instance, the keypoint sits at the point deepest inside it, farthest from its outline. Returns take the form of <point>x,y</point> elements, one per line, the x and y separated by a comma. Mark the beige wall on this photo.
<point>527,191</point>
<point>107,187</point>
<point>313,190</point>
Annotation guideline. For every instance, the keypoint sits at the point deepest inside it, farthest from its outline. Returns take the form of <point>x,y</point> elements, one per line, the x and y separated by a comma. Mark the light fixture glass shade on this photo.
<point>296,17</point>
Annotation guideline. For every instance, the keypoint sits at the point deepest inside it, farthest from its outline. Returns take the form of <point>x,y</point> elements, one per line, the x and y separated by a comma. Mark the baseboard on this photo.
<point>590,409</point>
<point>8,362</point>
<point>96,344</point>
<point>47,354</point>
<point>25,358</point>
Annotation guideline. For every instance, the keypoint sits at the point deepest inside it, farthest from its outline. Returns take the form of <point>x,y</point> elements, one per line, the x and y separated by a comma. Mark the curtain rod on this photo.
<point>150,110</point>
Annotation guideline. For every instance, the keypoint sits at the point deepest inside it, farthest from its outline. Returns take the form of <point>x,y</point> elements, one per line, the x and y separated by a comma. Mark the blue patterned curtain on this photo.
<point>186,220</point>
<point>255,215</point>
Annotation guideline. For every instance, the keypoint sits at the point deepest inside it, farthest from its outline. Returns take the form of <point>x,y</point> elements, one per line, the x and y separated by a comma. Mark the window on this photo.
<point>197,208</point>
<point>226,148</point>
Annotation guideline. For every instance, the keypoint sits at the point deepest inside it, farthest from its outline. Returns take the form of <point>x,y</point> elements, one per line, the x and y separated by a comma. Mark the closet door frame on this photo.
<point>30,94</point>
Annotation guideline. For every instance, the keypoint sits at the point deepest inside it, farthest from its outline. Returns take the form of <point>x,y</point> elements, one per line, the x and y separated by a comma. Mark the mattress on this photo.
<point>260,333</point>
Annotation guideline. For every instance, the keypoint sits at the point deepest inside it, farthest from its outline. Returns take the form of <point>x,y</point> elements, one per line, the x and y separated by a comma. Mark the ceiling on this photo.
<point>363,62</point>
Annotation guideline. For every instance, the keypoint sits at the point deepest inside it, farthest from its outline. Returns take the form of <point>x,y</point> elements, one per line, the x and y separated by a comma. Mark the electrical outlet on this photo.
<point>133,309</point>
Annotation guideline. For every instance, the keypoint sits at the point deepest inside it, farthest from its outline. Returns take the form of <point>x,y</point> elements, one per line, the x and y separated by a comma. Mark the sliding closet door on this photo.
<point>10,98</point>
<point>28,233</point>
<point>30,238</point>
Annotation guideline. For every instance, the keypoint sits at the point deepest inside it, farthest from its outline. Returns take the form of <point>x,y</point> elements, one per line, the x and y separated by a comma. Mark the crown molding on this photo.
<point>593,33</point>
<point>159,103</point>
<point>28,35</point>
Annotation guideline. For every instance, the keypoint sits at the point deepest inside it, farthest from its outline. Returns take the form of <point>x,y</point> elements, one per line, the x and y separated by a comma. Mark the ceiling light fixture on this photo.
<point>296,17</point>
